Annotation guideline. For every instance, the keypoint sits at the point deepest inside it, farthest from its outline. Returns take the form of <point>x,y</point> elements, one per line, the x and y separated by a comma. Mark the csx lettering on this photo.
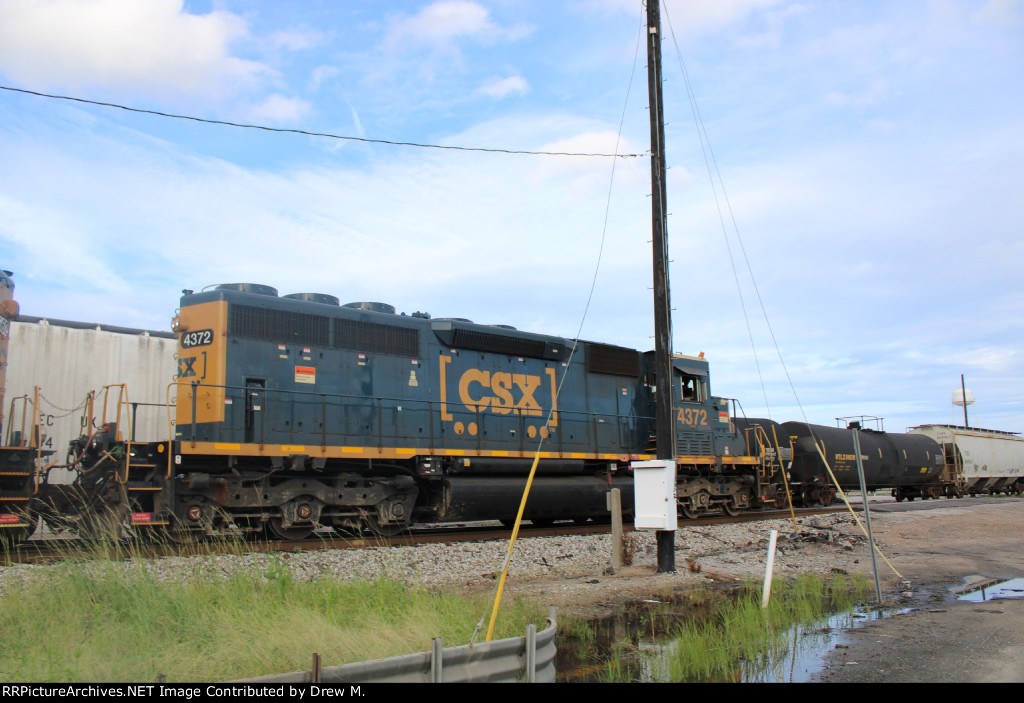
<point>692,416</point>
<point>185,368</point>
<point>480,390</point>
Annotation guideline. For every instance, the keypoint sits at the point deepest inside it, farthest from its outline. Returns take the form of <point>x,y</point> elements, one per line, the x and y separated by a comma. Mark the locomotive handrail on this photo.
<point>10,425</point>
<point>588,421</point>
<point>122,393</point>
<point>170,426</point>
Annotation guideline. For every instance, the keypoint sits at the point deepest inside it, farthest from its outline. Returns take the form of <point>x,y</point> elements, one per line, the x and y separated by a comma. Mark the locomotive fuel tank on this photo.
<point>551,498</point>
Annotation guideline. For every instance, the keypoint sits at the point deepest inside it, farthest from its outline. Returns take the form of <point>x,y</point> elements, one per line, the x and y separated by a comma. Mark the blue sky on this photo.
<point>871,154</point>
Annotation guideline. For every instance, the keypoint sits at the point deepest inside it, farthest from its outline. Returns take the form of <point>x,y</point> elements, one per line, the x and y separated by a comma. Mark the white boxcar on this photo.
<point>989,461</point>
<point>67,360</point>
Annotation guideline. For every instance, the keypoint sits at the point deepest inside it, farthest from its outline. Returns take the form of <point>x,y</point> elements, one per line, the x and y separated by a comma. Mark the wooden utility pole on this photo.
<point>664,428</point>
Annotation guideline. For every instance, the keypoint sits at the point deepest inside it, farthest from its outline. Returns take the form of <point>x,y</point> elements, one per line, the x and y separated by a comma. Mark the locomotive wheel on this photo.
<point>689,512</point>
<point>292,533</point>
<point>108,524</point>
<point>379,530</point>
<point>730,508</point>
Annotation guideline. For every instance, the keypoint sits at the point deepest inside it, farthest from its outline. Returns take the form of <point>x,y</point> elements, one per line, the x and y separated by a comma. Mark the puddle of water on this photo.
<point>809,645</point>
<point>638,644</point>
<point>991,589</point>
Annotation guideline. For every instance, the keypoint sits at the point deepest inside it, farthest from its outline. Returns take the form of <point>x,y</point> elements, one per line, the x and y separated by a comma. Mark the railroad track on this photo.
<point>42,551</point>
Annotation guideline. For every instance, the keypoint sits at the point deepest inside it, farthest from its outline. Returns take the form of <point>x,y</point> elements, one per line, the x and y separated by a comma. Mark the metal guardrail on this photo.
<point>529,659</point>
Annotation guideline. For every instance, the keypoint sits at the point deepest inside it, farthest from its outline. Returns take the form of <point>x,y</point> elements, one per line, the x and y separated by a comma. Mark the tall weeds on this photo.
<point>112,619</point>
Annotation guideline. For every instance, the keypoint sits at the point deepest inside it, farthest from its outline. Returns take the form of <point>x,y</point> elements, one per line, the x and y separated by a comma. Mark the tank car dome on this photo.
<point>255,288</point>
<point>323,298</point>
<point>372,307</point>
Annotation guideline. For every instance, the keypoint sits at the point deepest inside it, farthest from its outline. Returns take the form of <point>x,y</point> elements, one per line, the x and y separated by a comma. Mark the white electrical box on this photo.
<point>654,495</point>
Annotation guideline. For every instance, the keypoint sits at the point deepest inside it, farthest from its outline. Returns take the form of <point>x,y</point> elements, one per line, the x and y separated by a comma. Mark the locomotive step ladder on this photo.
<point>143,481</point>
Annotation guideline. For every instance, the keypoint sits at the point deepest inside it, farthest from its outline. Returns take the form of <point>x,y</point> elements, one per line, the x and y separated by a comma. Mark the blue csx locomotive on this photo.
<point>296,413</point>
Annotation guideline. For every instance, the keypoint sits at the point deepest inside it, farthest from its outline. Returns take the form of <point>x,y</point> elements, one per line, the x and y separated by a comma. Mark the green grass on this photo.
<point>111,620</point>
<point>709,634</point>
<point>738,637</point>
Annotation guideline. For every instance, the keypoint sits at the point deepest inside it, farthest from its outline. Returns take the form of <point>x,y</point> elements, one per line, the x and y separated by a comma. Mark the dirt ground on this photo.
<point>943,640</point>
<point>936,546</point>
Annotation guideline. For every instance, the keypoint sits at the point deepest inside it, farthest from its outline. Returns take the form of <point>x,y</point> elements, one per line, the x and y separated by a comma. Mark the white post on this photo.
<point>766,592</point>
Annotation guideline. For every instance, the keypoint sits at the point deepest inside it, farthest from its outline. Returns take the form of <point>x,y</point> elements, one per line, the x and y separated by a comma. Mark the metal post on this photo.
<point>436,654</point>
<point>867,512</point>
<point>531,653</point>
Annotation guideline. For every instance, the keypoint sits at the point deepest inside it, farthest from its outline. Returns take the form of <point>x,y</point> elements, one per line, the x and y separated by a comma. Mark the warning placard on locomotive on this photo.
<point>305,374</point>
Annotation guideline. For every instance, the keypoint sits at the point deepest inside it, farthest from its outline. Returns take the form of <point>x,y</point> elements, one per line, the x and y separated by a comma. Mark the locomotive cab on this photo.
<point>704,426</point>
<point>709,451</point>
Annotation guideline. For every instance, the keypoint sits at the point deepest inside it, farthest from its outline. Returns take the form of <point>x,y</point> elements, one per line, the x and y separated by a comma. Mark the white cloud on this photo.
<point>442,23</point>
<point>865,97</point>
<point>153,46</point>
<point>322,74</point>
<point>699,16</point>
<point>280,110</point>
<point>1000,12</point>
<point>297,39</point>
<point>503,87</point>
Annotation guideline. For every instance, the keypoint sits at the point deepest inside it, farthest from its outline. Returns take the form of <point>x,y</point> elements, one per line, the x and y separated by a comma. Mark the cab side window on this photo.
<point>694,389</point>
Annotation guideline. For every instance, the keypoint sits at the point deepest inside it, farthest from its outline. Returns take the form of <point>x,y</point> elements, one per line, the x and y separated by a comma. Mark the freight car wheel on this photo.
<point>293,533</point>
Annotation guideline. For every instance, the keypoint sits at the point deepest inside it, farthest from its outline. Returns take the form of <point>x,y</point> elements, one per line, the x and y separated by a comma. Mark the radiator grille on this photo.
<point>498,344</point>
<point>279,326</point>
<point>604,358</point>
<point>374,338</point>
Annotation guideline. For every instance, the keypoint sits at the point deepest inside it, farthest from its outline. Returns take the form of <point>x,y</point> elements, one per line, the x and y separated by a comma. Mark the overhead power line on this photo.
<point>311,134</point>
